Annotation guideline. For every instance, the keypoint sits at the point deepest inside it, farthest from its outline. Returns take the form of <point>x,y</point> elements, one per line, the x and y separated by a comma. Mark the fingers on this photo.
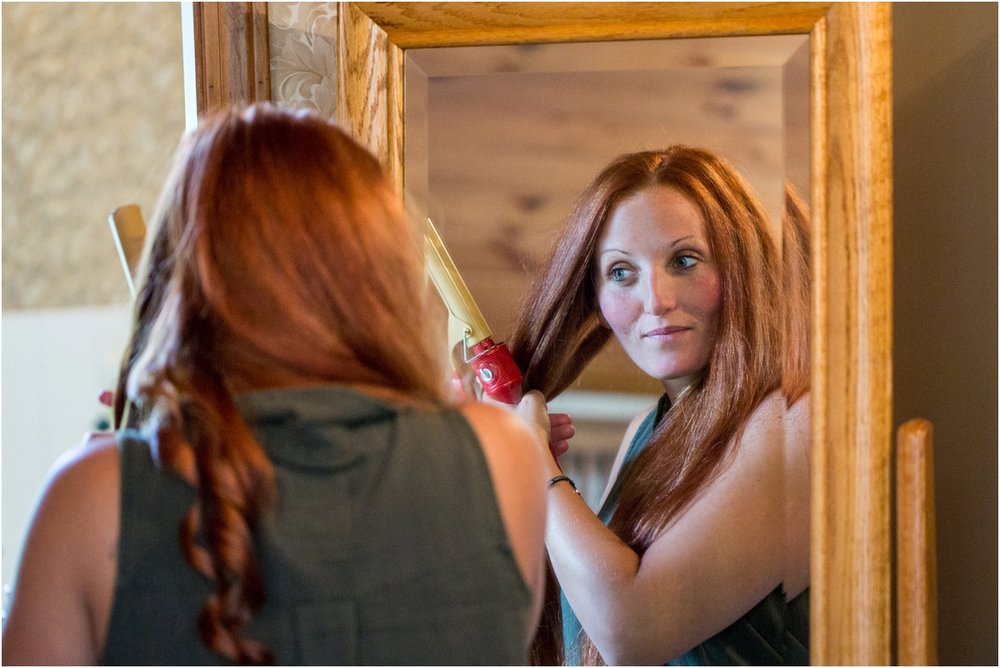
<point>532,409</point>
<point>561,427</point>
<point>558,448</point>
<point>557,427</point>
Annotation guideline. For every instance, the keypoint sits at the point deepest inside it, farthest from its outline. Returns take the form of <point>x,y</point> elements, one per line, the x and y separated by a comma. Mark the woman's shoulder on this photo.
<point>95,457</point>
<point>770,407</point>
<point>774,422</point>
<point>766,420</point>
<point>509,444</point>
<point>83,489</point>
<point>797,424</point>
<point>499,425</point>
<point>513,455</point>
<point>69,559</point>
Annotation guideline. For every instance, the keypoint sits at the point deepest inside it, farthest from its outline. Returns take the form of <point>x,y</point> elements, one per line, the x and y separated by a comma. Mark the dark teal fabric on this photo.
<point>386,546</point>
<point>773,632</point>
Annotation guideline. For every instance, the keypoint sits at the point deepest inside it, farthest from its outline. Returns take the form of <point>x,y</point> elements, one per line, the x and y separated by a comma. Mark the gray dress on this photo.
<point>386,545</point>
<point>774,632</point>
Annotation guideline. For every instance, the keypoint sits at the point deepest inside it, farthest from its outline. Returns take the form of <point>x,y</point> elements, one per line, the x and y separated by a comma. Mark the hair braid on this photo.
<point>207,443</point>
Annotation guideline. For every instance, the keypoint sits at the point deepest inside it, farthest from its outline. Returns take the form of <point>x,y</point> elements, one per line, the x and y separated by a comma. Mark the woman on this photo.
<point>297,487</point>
<point>795,380</point>
<point>670,253</point>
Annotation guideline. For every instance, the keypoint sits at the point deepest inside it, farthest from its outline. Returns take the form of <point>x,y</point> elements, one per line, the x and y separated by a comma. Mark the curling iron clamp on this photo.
<point>492,362</point>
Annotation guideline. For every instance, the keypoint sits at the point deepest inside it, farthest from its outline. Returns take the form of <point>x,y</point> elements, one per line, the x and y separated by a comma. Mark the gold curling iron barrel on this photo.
<point>493,364</point>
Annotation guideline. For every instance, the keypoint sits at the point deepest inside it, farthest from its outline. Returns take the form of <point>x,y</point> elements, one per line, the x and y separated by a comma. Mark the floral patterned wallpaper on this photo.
<point>303,43</point>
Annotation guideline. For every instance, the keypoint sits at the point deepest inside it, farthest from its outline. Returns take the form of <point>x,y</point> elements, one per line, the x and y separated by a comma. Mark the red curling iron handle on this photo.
<point>496,371</point>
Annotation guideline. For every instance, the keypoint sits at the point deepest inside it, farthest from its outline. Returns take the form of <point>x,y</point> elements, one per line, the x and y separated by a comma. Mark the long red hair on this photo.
<point>279,255</point>
<point>559,330</point>
<point>796,273</point>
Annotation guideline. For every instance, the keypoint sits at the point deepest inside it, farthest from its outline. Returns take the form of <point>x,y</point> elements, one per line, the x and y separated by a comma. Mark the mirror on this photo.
<point>501,139</point>
<point>850,198</point>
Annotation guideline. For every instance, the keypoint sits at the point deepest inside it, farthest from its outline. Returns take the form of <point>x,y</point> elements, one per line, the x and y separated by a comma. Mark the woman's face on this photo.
<point>658,286</point>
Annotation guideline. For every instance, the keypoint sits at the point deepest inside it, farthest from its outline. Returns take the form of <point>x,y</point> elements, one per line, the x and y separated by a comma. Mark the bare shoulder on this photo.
<point>481,414</point>
<point>764,429</point>
<point>94,460</point>
<point>769,412</point>
<point>797,424</point>
<point>62,597</point>
<point>512,447</point>
<point>798,495</point>
<point>513,453</point>
<point>83,494</point>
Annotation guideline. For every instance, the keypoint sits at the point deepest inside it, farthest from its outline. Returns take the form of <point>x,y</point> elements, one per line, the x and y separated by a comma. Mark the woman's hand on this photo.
<point>560,431</point>
<point>557,428</point>
<point>532,410</point>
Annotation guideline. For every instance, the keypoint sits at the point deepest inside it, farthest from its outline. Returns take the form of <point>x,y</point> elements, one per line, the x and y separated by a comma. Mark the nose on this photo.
<point>660,294</point>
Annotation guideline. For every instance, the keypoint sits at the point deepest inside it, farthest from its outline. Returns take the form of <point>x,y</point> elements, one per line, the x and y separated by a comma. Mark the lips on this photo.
<point>664,331</point>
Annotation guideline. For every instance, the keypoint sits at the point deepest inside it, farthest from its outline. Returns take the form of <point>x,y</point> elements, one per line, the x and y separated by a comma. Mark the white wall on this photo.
<point>55,364</point>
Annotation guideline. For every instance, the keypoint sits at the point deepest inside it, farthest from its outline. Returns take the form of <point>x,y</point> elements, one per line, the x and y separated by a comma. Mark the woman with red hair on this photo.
<point>295,486</point>
<point>690,559</point>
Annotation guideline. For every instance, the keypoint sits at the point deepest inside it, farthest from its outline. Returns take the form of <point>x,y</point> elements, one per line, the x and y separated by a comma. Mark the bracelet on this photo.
<point>566,478</point>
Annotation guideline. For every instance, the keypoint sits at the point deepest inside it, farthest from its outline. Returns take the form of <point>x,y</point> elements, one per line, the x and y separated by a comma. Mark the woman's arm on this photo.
<point>798,438</point>
<point>512,448</point>
<point>714,562</point>
<point>65,582</point>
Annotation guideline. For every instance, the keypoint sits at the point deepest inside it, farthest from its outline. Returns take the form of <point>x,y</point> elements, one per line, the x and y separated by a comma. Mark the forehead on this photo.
<point>659,213</point>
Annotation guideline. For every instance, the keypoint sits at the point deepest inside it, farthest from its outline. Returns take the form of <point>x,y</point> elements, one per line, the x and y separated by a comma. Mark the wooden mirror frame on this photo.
<point>851,205</point>
<point>851,202</point>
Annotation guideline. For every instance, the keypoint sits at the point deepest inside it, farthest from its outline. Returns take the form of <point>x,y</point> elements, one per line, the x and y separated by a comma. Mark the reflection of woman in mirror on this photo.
<point>795,379</point>
<point>670,252</point>
<point>299,488</point>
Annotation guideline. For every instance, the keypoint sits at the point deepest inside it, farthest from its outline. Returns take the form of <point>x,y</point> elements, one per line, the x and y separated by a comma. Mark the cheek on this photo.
<point>708,301</point>
<point>616,311</point>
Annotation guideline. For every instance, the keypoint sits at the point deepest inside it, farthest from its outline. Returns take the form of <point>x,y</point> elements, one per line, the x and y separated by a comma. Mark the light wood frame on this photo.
<point>851,202</point>
<point>232,58</point>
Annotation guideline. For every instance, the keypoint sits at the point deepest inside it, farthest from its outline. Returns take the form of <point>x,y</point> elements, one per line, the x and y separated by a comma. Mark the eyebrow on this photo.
<point>670,245</point>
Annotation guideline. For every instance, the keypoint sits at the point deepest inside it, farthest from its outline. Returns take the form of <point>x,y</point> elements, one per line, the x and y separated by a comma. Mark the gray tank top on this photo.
<point>385,547</point>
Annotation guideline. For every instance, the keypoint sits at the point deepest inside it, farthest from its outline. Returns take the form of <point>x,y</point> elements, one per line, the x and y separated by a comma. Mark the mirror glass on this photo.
<point>501,139</point>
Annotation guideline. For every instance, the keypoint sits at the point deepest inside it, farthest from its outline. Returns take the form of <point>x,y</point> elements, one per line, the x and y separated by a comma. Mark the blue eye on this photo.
<point>619,274</point>
<point>685,261</point>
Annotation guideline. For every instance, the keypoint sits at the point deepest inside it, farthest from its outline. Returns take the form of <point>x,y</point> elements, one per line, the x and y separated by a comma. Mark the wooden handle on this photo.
<point>916,558</point>
<point>129,232</point>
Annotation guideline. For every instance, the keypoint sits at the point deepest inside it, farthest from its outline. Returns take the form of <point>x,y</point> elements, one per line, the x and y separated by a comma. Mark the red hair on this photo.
<point>279,255</point>
<point>558,331</point>
<point>796,270</point>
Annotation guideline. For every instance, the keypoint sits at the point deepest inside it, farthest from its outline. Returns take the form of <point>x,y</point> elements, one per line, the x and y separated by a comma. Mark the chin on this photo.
<point>673,373</point>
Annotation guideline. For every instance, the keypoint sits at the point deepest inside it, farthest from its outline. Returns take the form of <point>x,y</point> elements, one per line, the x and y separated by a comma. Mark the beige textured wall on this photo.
<point>93,107</point>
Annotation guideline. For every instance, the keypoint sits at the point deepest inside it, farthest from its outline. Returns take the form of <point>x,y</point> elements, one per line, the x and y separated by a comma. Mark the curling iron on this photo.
<point>492,362</point>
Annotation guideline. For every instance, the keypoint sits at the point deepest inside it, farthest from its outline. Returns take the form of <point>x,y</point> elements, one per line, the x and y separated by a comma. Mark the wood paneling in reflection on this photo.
<point>515,133</point>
